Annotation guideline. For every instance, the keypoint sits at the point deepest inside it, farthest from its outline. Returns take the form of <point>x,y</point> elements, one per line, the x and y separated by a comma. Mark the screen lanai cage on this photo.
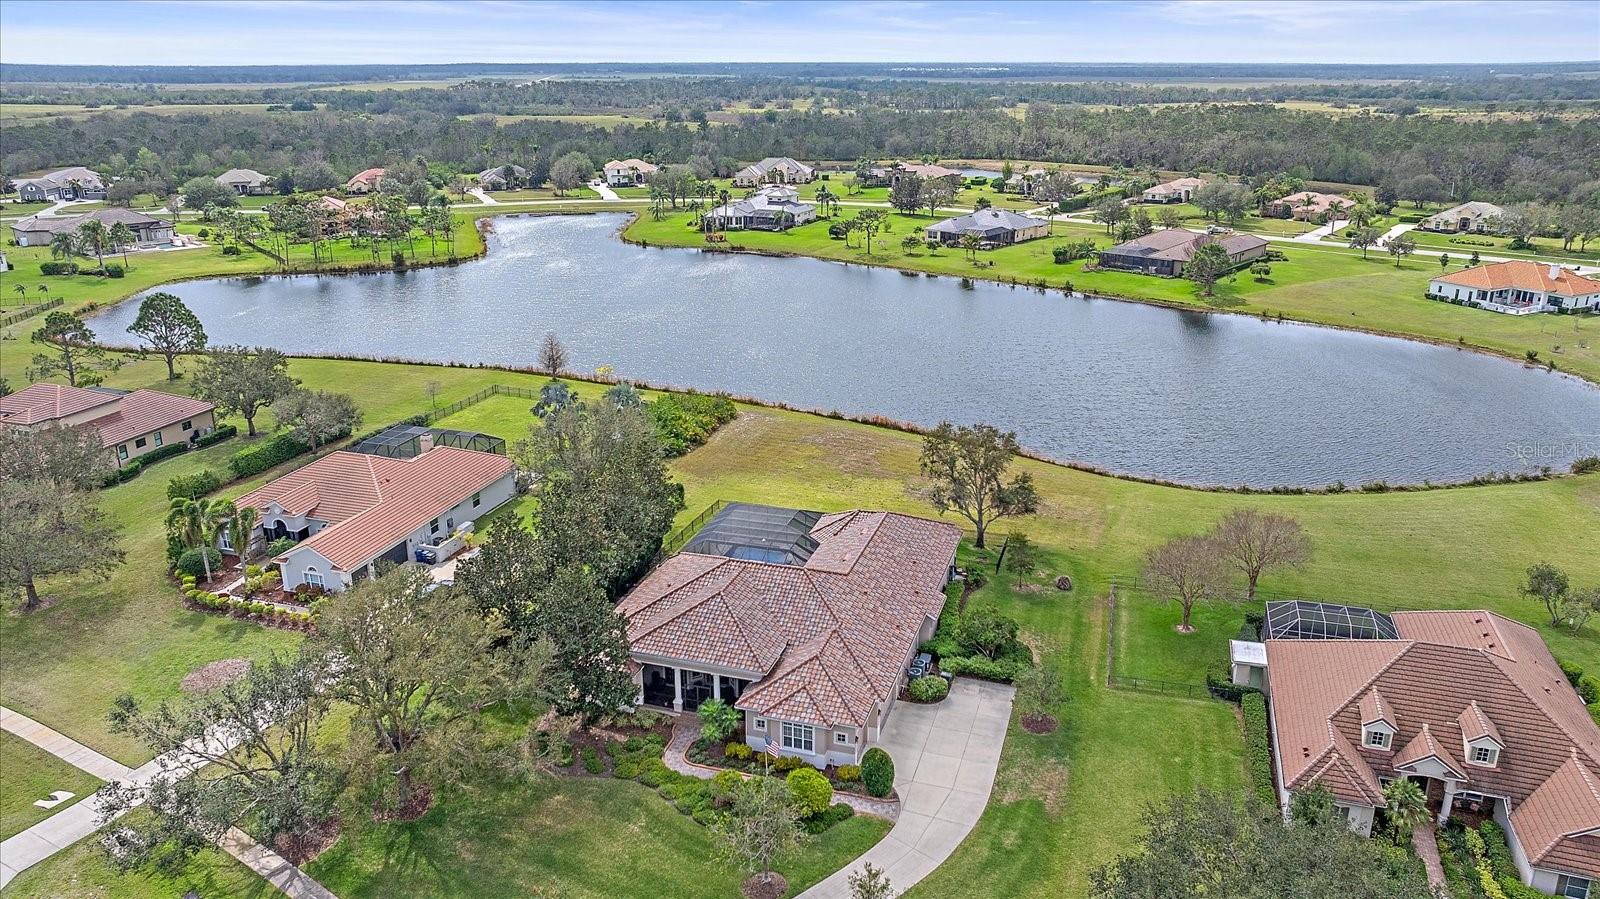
<point>1301,620</point>
<point>758,534</point>
<point>405,441</point>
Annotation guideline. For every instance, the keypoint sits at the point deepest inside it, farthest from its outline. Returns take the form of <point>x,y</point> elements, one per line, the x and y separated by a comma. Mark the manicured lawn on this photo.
<point>571,837</point>
<point>1317,283</point>
<point>1193,217</point>
<point>543,193</point>
<point>1462,246</point>
<point>28,773</point>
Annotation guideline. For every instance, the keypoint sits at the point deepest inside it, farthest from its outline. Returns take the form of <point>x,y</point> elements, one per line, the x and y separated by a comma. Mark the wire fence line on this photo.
<point>28,311</point>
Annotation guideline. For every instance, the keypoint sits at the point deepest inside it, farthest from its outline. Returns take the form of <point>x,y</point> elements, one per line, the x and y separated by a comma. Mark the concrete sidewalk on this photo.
<point>945,759</point>
<point>62,747</point>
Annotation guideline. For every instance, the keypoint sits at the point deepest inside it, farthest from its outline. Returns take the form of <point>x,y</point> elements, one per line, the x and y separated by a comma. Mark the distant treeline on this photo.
<point>1549,160</point>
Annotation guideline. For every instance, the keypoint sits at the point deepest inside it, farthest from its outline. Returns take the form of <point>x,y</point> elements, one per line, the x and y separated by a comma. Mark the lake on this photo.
<point>1189,396</point>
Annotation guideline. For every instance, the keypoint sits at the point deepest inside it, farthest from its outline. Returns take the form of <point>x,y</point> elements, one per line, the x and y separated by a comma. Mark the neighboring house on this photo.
<point>495,178</point>
<point>75,183</point>
<point>130,424</point>
<point>1180,190</point>
<point>1468,704</point>
<point>1518,288</point>
<point>775,170</point>
<point>1024,182</point>
<point>148,231</point>
<point>365,182</point>
<point>993,227</point>
<point>890,175</point>
<point>246,182</point>
<point>1165,252</point>
<point>1468,217</point>
<point>1308,206</point>
<point>628,172</point>
<point>803,621</point>
<point>772,208</point>
<point>351,511</point>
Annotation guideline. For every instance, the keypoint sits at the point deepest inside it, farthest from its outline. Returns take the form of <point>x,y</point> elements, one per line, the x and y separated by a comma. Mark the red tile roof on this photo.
<point>823,641</point>
<point>1541,277</point>
<point>1559,825</point>
<point>368,176</point>
<point>144,411</point>
<point>372,502</point>
<point>39,403</point>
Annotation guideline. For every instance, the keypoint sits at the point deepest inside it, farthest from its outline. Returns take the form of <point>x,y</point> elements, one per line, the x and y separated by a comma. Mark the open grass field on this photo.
<point>1462,246</point>
<point>1318,284</point>
<point>38,113</point>
<point>598,120</point>
<point>544,193</point>
<point>28,773</point>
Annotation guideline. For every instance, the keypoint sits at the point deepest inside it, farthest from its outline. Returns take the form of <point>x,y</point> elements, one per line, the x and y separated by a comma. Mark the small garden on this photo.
<point>718,746</point>
<point>1477,863</point>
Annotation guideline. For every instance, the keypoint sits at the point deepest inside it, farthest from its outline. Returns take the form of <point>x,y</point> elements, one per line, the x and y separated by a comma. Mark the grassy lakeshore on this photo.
<point>1317,284</point>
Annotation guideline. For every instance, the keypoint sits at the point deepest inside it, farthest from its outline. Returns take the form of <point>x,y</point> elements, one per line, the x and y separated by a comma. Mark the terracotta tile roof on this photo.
<point>370,503</point>
<point>38,403</point>
<point>1313,201</point>
<point>1344,772</point>
<point>824,641</point>
<point>1374,709</point>
<point>1559,825</point>
<point>367,176</point>
<point>1520,274</point>
<point>1176,185</point>
<point>144,411</point>
<point>1450,678</point>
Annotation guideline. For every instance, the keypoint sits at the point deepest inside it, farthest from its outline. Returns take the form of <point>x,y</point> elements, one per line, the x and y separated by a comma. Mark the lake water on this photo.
<point>1210,399</point>
<point>979,173</point>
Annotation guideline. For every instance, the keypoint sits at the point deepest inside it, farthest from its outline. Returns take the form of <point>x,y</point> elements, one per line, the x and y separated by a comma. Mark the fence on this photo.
<point>1152,685</point>
<point>435,414</point>
<point>25,312</point>
<point>675,540</point>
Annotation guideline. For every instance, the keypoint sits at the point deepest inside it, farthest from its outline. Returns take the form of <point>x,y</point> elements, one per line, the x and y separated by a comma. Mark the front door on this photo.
<point>697,688</point>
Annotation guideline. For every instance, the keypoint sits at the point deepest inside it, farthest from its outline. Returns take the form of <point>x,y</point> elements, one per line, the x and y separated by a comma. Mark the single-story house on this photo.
<point>1469,705</point>
<point>1307,206</point>
<point>38,230</point>
<point>772,208</point>
<point>1023,182</point>
<point>1164,252</point>
<point>1468,217</point>
<point>1180,190</point>
<point>804,622</point>
<point>775,170</point>
<point>994,227</point>
<point>130,423</point>
<point>890,175</point>
<point>246,182</point>
<point>351,511</point>
<point>74,183</point>
<point>1518,287</point>
<point>495,178</point>
<point>628,172</point>
<point>365,182</point>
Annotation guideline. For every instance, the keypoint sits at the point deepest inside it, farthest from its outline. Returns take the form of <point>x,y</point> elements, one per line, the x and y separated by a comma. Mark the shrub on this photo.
<point>58,268</point>
<point>1258,750</point>
<point>834,814</point>
<point>848,773</point>
<point>877,772</point>
<point>115,271</point>
<point>928,688</point>
<point>193,486</point>
<point>1586,465</point>
<point>738,751</point>
<point>1001,670</point>
<point>1589,689</point>
<point>256,459</point>
<point>654,772</point>
<point>191,564</point>
<point>626,769</point>
<point>280,546</point>
<point>725,782</point>
<point>717,720</point>
<point>592,762</point>
<point>1220,682</point>
<point>686,420</point>
<point>230,250</point>
<point>1571,671</point>
<point>809,791</point>
<point>216,436</point>
<point>788,763</point>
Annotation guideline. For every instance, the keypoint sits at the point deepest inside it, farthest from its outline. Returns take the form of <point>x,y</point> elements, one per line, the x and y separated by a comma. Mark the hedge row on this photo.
<point>1491,861</point>
<point>1258,747</point>
<point>133,467</point>
<point>1220,683</point>
<point>267,454</point>
<point>1588,686</point>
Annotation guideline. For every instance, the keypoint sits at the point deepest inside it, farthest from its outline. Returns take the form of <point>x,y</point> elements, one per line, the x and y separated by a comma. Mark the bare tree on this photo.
<point>552,355</point>
<point>1253,542</point>
<point>1187,570</point>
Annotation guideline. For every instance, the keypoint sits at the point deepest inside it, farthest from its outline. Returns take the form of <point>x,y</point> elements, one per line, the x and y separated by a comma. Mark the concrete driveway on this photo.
<point>945,758</point>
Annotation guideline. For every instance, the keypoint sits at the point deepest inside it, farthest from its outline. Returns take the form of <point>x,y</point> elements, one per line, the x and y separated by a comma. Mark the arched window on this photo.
<point>312,577</point>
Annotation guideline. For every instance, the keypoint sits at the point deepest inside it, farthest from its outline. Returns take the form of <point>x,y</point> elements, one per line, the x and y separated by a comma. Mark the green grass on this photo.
<point>542,193</point>
<point>1317,283</point>
<point>570,837</point>
<point>28,773</point>
<point>1462,246</point>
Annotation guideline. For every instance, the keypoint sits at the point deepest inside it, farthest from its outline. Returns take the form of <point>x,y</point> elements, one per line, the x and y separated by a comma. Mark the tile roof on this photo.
<point>1474,209</point>
<point>367,176</point>
<point>1180,244</point>
<point>144,411</point>
<point>1450,678</point>
<point>1523,275</point>
<point>370,503</point>
<point>772,162</point>
<point>635,165</point>
<point>38,403</point>
<point>1559,825</point>
<point>242,176</point>
<point>1374,709</point>
<point>823,641</point>
<point>926,170</point>
<point>113,215</point>
<point>1176,185</point>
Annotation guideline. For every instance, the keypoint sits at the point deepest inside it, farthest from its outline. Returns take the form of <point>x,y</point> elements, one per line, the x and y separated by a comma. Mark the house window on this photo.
<point>761,724</point>
<point>188,425</point>
<point>122,452</point>
<point>139,442</point>
<point>433,526</point>
<point>842,738</point>
<point>313,578</point>
<point>1572,886</point>
<point>1485,755</point>
<point>801,737</point>
<point>158,438</point>
<point>1378,739</point>
<point>477,498</point>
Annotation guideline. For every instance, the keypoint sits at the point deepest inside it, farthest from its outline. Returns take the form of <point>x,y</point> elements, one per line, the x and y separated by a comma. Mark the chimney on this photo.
<point>1555,271</point>
<point>424,443</point>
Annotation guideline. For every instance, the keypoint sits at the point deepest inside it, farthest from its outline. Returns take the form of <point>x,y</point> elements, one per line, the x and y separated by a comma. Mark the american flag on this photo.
<point>772,749</point>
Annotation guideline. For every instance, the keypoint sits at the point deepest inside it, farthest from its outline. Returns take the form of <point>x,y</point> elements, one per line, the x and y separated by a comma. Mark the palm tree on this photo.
<point>1407,808</point>
<point>241,527</point>
<point>21,290</point>
<point>63,245</point>
<point>121,235</point>
<point>196,521</point>
<point>93,234</point>
<point>969,242</point>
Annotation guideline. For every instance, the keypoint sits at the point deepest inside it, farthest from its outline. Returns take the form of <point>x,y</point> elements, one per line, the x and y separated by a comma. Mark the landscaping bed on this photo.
<point>713,754</point>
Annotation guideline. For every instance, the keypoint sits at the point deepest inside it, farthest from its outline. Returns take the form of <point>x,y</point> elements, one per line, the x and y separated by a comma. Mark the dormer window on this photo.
<point>1378,739</point>
<point>1484,755</point>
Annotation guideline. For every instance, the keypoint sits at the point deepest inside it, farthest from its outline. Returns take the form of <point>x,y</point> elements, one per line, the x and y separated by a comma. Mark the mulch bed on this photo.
<point>301,848</point>
<point>215,674</point>
<point>1040,724</point>
<point>421,801</point>
<point>756,888</point>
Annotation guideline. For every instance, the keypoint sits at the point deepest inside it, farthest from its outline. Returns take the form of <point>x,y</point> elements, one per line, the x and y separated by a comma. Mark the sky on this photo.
<point>279,32</point>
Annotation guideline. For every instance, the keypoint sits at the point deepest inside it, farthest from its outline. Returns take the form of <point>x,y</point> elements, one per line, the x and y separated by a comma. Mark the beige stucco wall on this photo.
<point>173,433</point>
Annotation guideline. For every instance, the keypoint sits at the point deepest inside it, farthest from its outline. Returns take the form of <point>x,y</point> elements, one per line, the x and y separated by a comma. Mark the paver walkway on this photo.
<point>57,832</point>
<point>945,759</point>
<point>1426,844</point>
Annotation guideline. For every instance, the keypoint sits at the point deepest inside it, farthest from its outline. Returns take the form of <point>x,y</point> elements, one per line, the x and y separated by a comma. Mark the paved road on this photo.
<point>57,832</point>
<point>945,759</point>
<point>1319,233</point>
